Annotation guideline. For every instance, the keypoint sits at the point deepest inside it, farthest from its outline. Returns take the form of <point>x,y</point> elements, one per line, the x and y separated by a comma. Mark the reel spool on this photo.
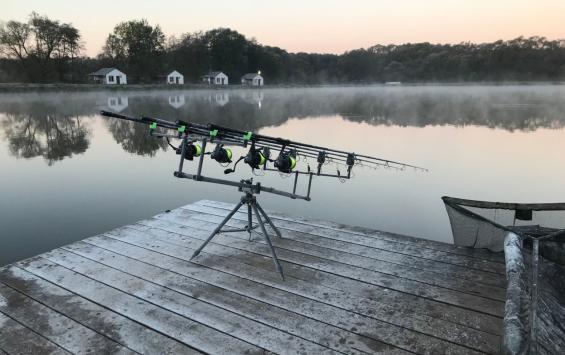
<point>255,158</point>
<point>190,151</point>
<point>286,161</point>
<point>222,155</point>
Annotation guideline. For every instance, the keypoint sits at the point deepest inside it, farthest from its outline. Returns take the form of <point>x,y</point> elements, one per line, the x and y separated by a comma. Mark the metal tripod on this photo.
<point>252,207</point>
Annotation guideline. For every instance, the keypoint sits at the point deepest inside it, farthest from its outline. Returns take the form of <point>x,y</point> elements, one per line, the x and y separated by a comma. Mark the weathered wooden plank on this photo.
<point>115,326</point>
<point>379,240</point>
<point>420,242</point>
<point>172,324</point>
<point>252,251</point>
<point>366,293</point>
<point>18,339</point>
<point>268,293</point>
<point>287,321</point>
<point>342,300</point>
<point>407,261</point>
<point>215,317</point>
<point>208,222</point>
<point>52,325</point>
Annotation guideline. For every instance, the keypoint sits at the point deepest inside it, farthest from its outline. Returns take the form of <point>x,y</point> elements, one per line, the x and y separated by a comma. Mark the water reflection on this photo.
<point>134,138</point>
<point>52,137</point>
<point>114,184</point>
<point>177,101</point>
<point>117,103</point>
<point>49,125</point>
<point>219,98</point>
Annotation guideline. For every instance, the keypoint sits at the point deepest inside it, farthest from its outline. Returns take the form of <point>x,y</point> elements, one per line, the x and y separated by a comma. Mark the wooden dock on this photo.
<point>347,290</point>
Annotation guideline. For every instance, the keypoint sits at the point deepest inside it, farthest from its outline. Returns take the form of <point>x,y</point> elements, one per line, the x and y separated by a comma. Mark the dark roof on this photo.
<point>169,73</point>
<point>250,76</point>
<point>212,74</point>
<point>102,71</point>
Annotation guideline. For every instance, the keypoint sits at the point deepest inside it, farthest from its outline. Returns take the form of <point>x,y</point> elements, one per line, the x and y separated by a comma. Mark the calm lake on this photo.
<point>66,173</point>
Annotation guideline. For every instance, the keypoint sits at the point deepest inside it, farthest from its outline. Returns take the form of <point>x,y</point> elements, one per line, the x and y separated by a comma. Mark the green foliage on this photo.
<point>520,59</point>
<point>137,48</point>
<point>47,51</point>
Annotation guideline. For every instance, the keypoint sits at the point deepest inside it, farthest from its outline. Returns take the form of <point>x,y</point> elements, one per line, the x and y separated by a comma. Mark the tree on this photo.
<point>137,46</point>
<point>228,51</point>
<point>42,46</point>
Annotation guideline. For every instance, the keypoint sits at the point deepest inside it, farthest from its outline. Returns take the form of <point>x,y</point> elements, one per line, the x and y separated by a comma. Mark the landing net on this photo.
<point>532,237</point>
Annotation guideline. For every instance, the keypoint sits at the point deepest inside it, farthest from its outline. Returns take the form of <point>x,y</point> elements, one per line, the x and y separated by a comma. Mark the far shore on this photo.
<point>7,88</point>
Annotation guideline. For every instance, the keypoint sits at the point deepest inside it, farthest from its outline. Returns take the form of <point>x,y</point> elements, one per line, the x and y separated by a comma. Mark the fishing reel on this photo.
<point>191,150</point>
<point>286,161</point>
<point>255,158</point>
<point>222,155</point>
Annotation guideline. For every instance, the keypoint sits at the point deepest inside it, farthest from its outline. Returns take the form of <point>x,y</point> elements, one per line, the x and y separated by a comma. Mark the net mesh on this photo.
<point>532,237</point>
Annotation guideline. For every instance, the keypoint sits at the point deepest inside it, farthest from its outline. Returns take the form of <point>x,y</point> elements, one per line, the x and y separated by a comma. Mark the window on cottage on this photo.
<point>171,79</point>
<point>111,78</point>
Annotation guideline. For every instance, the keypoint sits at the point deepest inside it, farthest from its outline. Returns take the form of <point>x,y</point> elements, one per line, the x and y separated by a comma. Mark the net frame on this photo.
<point>534,317</point>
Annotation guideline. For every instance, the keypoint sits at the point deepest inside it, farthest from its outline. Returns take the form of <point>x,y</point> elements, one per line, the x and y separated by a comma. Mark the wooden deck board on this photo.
<point>386,242</point>
<point>397,238</point>
<point>153,316</point>
<point>256,254</point>
<point>390,257</point>
<point>371,308</point>
<point>102,320</point>
<point>18,339</point>
<point>347,290</point>
<point>449,281</point>
<point>63,331</point>
<point>275,317</point>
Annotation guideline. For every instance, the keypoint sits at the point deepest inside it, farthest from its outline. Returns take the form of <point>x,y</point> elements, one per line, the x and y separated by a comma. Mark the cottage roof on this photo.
<point>213,74</point>
<point>102,71</point>
<point>250,76</point>
<point>173,72</point>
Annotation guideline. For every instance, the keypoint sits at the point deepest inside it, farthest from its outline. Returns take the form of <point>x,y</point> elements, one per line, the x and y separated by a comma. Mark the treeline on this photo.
<point>45,50</point>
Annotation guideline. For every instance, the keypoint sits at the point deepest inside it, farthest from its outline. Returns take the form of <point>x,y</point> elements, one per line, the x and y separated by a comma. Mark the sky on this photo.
<point>324,26</point>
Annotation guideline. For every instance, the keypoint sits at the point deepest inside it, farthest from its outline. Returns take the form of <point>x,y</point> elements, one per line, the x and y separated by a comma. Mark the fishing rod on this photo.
<point>265,153</point>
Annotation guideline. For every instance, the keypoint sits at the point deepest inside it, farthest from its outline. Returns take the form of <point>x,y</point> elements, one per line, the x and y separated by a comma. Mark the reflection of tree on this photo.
<point>134,137</point>
<point>53,138</point>
<point>31,132</point>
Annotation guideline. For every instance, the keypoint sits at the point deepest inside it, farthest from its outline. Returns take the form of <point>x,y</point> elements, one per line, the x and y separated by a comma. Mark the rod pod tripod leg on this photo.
<point>252,206</point>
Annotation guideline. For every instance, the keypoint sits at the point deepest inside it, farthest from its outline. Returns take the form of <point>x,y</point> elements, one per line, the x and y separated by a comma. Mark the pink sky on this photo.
<point>328,26</point>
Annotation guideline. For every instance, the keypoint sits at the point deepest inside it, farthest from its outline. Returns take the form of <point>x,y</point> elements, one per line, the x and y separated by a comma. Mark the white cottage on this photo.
<point>252,79</point>
<point>108,76</point>
<point>175,78</point>
<point>215,78</point>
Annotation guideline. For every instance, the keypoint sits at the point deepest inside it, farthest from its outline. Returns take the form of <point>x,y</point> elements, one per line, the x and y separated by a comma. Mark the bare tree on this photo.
<point>42,46</point>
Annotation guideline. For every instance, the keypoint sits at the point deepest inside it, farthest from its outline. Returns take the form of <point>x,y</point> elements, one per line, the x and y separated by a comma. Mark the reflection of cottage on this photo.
<point>219,98</point>
<point>176,101</point>
<point>108,76</point>
<point>252,79</point>
<point>255,97</point>
<point>117,103</point>
<point>174,78</point>
<point>215,78</point>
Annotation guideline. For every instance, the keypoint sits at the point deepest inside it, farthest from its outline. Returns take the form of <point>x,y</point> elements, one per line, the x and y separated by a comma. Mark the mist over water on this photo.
<point>67,173</point>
